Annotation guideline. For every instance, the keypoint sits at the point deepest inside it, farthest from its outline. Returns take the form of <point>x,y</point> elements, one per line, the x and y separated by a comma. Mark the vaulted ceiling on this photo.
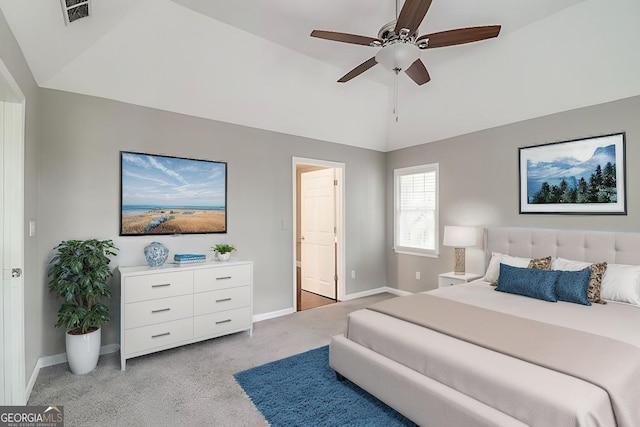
<point>253,63</point>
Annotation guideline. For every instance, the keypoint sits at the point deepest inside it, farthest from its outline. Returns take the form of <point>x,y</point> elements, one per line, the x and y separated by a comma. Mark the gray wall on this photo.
<point>479,182</point>
<point>80,188</point>
<point>15,62</point>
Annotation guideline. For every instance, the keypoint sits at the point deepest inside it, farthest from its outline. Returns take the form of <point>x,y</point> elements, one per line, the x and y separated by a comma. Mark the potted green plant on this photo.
<point>79,273</point>
<point>223,251</point>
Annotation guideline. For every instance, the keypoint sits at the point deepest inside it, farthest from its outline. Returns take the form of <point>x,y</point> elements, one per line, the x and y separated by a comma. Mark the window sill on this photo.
<point>416,253</point>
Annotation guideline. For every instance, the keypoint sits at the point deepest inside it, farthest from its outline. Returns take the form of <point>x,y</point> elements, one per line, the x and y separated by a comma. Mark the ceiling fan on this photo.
<point>401,44</point>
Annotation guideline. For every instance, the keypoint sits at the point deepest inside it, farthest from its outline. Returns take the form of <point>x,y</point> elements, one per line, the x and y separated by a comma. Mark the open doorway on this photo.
<point>318,240</point>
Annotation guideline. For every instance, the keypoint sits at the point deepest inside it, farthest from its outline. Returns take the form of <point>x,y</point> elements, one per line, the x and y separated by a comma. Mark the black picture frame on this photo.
<point>584,176</point>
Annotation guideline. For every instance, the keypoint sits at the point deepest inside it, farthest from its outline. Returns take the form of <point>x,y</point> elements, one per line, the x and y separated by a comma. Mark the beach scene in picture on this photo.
<point>171,195</point>
<point>577,172</point>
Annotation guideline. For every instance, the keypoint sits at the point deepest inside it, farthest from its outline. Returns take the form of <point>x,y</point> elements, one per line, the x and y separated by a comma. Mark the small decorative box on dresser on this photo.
<point>451,278</point>
<point>170,306</point>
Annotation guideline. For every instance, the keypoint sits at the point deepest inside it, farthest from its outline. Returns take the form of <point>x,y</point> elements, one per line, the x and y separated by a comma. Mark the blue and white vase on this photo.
<point>156,254</point>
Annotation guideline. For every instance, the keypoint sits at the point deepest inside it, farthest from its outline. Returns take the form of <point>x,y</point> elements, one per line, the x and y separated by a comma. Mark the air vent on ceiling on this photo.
<point>74,10</point>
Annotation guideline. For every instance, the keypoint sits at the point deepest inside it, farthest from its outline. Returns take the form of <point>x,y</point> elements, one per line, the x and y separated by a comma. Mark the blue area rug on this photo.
<point>302,390</point>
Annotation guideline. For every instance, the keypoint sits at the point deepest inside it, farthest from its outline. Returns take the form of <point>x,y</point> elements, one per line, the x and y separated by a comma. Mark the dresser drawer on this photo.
<point>218,323</point>
<point>154,336</point>
<point>141,288</point>
<point>211,279</point>
<point>225,299</point>
<point>159,310</point>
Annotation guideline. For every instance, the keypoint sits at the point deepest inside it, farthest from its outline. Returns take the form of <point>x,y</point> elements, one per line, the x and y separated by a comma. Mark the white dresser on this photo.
<point>170,306</point>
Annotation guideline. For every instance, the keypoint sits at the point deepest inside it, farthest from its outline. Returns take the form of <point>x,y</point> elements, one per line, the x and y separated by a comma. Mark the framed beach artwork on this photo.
<point>171,195</point>
<point>582,176</point>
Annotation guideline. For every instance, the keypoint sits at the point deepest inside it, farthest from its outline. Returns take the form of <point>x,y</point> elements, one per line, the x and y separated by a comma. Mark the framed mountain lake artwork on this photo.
<point>581,176</point>
<point>171,195</point>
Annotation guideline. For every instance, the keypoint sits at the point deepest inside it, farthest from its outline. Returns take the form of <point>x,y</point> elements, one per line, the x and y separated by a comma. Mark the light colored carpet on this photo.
<point>191,385</point>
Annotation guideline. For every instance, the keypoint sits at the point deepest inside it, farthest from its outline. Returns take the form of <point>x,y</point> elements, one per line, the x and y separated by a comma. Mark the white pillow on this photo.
<point>493,271</point>
<point>621,283</point>
<point>569,264</point>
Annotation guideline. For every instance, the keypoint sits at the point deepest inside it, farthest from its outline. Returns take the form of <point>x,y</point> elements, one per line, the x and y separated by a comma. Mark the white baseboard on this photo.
<point>56,359</point>
<point>284,312</point>
<point>395,291</point>
<point>376,291</point>
<point>272,314</point>
<point>32,382</point>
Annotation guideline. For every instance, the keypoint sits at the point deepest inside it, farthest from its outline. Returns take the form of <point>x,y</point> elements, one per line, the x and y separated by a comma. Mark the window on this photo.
<point>416,210</point>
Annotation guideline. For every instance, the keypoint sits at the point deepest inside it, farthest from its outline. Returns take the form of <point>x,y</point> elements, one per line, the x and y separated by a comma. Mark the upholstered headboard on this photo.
<point>589,246</point>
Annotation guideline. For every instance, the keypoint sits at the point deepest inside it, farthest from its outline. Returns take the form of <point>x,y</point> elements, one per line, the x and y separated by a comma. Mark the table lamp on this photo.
<point>459,238</point>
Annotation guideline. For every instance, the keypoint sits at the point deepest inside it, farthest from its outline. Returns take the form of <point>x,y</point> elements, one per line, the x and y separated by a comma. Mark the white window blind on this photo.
<point>416,210</point>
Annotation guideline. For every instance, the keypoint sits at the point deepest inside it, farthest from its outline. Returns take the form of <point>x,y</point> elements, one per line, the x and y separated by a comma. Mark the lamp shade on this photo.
<point>459,237</point>
<point>398,55</point>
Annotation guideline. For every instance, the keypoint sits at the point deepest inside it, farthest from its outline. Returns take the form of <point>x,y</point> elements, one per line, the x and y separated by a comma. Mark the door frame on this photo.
<point>12,238</point>
<point>340,221</point>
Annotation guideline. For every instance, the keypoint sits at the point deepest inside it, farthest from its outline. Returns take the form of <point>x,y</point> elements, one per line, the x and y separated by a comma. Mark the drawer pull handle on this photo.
<point>223,278</point>
<point>223,300</point>
<point>161,335</point>
<point>223,321</point>
<point>160,310</point>
<point>161,286</point>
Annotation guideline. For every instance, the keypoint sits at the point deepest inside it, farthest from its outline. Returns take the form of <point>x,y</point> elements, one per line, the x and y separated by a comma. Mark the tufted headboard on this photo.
<point>589,246</point>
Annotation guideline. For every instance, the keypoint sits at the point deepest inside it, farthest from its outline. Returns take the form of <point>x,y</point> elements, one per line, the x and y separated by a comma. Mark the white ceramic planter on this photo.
<point>83,351</point>
<point>224,257</point>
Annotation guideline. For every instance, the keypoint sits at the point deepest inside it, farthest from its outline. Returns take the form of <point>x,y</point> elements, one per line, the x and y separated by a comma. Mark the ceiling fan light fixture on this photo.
<point>398,56</point>
<point>401,44</point>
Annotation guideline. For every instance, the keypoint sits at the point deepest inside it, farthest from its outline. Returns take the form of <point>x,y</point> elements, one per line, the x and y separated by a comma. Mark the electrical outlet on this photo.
<point>353,274</point>
<point>417,275</point>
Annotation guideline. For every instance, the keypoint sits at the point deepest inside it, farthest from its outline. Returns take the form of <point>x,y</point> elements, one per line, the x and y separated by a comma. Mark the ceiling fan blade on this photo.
<point>460,36</point>
<point>411,15</point>
<point>418,72</point>
<point>358,70</point>
<point>346,38</point>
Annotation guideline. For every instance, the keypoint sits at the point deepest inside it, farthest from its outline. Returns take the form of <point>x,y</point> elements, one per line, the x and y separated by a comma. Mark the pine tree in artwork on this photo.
<point>543,195</point>
<point>609,183</point>
<point>609,175</point>
<point>582,191</point>
<point>595,184</point>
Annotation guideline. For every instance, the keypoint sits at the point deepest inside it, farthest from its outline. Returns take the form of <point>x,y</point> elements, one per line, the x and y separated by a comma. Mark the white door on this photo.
<point>12,371</point>
<point>318,232</point>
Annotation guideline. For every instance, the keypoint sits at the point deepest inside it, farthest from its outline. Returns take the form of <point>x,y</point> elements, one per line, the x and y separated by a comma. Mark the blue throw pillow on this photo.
<point>530,282</point>
<point>573,286</point>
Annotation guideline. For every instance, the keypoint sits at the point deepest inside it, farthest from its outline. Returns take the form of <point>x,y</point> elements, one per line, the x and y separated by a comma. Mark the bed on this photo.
<point>440,378</point>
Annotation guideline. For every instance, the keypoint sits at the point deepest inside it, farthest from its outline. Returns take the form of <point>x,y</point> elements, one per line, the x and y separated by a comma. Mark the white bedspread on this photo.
<point>613,320</point>
<point>534,395</point>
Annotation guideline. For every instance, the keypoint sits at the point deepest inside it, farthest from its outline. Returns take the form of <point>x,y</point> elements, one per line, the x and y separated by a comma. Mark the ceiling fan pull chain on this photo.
<point>395,96</point>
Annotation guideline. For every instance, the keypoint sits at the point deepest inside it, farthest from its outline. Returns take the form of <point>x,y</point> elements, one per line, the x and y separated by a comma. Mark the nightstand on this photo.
<point>450,278</point>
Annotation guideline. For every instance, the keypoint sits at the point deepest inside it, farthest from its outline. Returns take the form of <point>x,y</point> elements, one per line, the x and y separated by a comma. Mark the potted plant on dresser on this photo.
<point>223,251</point>
<point>79,273</point>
